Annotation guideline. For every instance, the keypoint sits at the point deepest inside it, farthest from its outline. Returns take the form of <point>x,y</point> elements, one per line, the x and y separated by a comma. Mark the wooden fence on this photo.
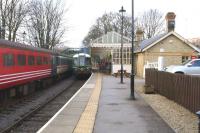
<point>182,89</point>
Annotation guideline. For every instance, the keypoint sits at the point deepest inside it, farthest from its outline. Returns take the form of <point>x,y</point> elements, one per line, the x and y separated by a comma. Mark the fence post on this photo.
<point>198,114</point>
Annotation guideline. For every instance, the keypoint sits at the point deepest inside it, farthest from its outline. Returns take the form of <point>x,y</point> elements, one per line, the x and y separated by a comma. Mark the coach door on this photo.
<point>54,68</point>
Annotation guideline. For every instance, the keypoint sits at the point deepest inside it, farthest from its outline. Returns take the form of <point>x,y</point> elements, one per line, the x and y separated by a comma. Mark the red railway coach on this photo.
<point>20,64</point>
<point>24,68</point>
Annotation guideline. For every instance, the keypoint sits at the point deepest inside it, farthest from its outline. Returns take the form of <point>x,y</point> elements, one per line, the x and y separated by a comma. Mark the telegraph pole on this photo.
<point>132,56</point>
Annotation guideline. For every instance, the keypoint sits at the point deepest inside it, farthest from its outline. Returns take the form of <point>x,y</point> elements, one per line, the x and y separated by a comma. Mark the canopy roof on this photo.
<point>81,54</point>
<point>112,37</point>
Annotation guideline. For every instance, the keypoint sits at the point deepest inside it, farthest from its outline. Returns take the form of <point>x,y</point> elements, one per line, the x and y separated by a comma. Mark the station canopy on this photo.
<point>111,39</point>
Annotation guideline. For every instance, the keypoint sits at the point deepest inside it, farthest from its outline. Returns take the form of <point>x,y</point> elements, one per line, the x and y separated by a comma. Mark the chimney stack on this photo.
<point>139,36</point>
<point>170,18</point>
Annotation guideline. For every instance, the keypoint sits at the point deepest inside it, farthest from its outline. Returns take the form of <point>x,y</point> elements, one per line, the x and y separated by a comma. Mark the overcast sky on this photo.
<point>82,15</point>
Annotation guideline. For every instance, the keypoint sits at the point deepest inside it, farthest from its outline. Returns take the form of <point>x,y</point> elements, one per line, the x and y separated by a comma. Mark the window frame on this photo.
<point>21,59</point>
<point>45,60</point>
<point>31,61</point>
<point>39,60</point>
<point>126,55</point>
<point>6,62</point>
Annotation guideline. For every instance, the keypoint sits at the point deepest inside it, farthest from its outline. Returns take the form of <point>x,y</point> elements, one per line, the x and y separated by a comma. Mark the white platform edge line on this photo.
<point>43,127</point>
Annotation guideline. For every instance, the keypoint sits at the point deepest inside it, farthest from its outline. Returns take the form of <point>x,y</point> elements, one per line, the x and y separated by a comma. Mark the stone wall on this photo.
<point>174,49</point>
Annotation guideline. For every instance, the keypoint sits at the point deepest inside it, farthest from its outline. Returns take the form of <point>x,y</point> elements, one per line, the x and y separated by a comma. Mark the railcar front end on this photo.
<point>82,64</point>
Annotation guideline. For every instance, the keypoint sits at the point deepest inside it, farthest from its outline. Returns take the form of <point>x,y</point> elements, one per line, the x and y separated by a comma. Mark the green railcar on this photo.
<point>82,64</point>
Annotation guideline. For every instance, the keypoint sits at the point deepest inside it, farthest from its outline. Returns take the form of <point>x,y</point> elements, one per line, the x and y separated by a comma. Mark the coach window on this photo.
<point>64,61</point>
<point>31,60</point>
<point>8,59</point>
<point>45,60</point>
<point>21,59</point>
<point>39,60</point>
<point>49,60</point>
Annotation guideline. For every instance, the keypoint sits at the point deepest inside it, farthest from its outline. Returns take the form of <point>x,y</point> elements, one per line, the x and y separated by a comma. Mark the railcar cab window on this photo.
<point>8,59</point>
<point>31,60</point>
<point>76,61</point>
<point>21,59</point>
<point>88,61</point>
<point>39,60</point>
<point>81,61</point>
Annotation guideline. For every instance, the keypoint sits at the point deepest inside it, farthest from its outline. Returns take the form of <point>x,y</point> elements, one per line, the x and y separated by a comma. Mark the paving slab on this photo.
<point>67,118</point>
<point>117,113</point>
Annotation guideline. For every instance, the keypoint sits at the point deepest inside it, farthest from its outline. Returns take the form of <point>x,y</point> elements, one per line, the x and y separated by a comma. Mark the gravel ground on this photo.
<point>179,118</point>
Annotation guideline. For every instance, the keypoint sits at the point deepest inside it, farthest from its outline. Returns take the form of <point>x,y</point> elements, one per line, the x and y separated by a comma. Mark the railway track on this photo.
<point>33,112</point>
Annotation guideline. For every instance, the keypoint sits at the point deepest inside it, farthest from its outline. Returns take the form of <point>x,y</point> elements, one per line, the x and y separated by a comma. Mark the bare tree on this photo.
<point>17,12</point>
<point>45,25</point>
<point>105,22</point>
<point>195,41</point>
<point>152,22</point>
<point>117,23</point>
<point>12,14</point>
<point>4,13</point>
<point>108,22</point>
<point>94,32</point>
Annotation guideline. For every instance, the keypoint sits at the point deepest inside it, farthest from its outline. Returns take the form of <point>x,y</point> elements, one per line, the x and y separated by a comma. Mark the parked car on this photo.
<point>190,67</point>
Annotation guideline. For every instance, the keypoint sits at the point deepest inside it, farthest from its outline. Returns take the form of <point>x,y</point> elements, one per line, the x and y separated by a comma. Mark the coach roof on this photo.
<point>7,43</point>
<point>81,54</point>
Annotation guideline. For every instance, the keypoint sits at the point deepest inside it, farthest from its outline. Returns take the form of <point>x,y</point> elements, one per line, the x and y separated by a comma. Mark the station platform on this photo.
<point>103,105</point>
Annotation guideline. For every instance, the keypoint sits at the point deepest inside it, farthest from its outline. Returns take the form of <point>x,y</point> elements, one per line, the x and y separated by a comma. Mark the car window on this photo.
<point>186,62</point>
<point>196,63</point>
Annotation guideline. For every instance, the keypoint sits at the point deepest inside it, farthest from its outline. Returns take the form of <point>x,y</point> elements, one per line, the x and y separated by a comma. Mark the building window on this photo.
<point>21,59</point>
<point>185,58</point>
<point>126,55</point>
<point>116,55</point>
<point>31,60</point>
<point>8,59</point>
<point>39,60</point>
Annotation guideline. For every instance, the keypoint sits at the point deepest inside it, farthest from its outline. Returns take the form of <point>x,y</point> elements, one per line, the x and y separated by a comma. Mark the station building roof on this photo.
<point>111,39</point>
<point>148,43</point>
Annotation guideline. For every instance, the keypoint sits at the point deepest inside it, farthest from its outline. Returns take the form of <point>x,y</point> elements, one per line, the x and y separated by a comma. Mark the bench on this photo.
<point>124,73</point>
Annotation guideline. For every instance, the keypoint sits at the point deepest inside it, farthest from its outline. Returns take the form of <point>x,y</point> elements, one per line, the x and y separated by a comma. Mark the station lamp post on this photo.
<point>24,34</point>
<point>122,11</point>
<point>132,56</point>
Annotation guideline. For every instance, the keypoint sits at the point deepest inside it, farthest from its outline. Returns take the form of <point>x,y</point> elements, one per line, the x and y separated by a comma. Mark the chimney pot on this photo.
<point>139,36</point>
<point>170,18</point>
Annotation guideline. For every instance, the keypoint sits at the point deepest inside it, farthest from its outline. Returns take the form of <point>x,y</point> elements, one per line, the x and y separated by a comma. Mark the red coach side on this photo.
<point>20,64</point>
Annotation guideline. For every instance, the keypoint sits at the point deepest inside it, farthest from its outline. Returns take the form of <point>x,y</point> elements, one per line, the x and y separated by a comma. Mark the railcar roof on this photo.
<point>81,54</point>
<point>24,46</point>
